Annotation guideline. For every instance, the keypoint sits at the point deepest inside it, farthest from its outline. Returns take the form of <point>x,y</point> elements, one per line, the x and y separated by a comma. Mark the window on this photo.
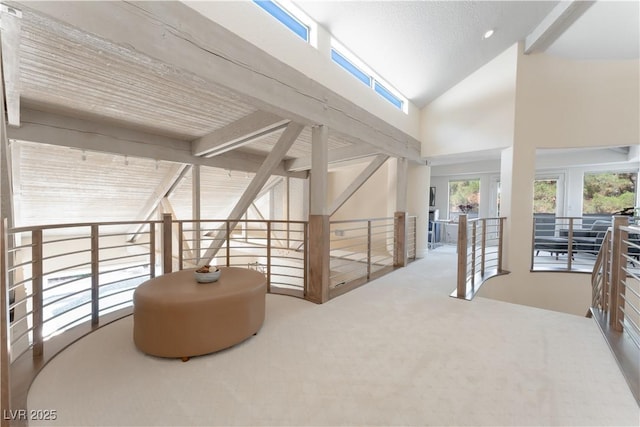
<point>386,94</point>
<point>609,192</point>
<point>545,196</point>
<point>341,56</point>
<point>275,10</point>
<point>464,197</point>
<point>350,67</point>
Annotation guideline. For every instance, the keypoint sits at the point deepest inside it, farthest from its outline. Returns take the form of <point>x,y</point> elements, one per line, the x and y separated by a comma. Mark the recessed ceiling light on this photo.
<point>488,34</point>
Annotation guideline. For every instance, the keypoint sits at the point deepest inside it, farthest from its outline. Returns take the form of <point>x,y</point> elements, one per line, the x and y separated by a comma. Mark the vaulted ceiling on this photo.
<point>105,98</point>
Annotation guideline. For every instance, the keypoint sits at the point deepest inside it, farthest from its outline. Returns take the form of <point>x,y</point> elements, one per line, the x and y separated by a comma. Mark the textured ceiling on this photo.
<point>423,48</point>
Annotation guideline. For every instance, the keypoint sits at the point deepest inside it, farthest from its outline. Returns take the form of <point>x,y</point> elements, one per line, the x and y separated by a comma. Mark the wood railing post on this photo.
<point>462,256</point>
<point>483,247</point>
<point>152,250</point>
<point>400,251</point>
<point>167,244</point>
<point>181,246</point>
<point>95,274</point>
<point>606,276</point>
<point>500,247</point>
<point>36,291</point>
<point>5,348</point>
<point>618,273</point>
<point>368,250</point>
<point>474,234</point>
<point>305,272</point>
<point>570,245</point>
<point>269,256</point>
<point>318,258</point>
<point>228,225</point>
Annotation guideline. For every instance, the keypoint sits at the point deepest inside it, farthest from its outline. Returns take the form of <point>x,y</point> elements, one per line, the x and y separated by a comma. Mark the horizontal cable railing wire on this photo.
<point>479,253</point>
<point>616,296</point>
<point>567,243</point>
<point>275,248</point>
<point>360,248</point>
<point>58,273</point>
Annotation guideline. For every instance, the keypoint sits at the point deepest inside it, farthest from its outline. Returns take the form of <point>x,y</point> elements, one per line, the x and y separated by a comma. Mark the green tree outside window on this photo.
<point>609,192</point>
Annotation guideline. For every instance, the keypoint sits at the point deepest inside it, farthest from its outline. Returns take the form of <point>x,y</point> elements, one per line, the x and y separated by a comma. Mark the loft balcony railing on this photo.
<point>480,247</point>
<point>568,243</point>
<point>615,304</point>
<point>60,282</point>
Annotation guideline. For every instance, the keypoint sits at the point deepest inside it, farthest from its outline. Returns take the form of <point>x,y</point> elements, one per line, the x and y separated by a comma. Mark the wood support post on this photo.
<point>462,257</point>
<point>36,291</point>
<point>268,256</point>
<point>318,287</point>
<point>196,210</point>
<point>400,252</point>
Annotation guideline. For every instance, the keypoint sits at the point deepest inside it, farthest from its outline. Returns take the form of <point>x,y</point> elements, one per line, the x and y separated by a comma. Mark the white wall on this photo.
<point>559,104</point>
<point>253,24</point>
<point>477,114</point>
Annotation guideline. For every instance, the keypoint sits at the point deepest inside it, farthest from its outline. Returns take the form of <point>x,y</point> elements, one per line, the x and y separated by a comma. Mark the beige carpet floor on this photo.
<point>398,351</point>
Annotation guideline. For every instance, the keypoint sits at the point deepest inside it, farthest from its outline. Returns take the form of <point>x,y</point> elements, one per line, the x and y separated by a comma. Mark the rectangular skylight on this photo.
<point>350,67</point>
<point>284,17</point>
<point>386,94</point>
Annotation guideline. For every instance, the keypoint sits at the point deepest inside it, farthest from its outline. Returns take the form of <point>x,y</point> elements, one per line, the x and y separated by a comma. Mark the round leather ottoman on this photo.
<point>175,316</point>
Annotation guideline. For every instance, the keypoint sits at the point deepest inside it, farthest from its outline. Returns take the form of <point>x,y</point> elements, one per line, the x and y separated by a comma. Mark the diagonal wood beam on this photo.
<point>167,207</point>
<point>335,155</point>
<point>358,182</point>
<point>237,134</point>
<point>10,25</point>
<point>274,158</point>
<point>166,187</point>
<point>262,218</point>
<point>554,24</point>
<point>268,187</point>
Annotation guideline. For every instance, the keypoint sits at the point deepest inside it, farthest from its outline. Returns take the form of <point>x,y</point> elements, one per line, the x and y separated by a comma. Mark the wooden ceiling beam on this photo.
<point>167,186</point>
<point>275,157</point>
<point>181,38</point>
<point>336,155</point>
<point>554,24</point>
<point>241,132</point>
<point>49,128</point>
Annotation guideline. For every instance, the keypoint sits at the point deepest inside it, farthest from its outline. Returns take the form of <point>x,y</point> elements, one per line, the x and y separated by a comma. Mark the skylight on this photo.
<point>350,67</point>
<point>304,27</point>
<point>282,15</point>
<point>361,71</point>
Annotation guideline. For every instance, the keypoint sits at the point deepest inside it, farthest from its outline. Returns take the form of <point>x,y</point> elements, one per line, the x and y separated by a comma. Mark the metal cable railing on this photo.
<point>275,248</point>
<point>479,253</point>
<point>616,297</point>
<point>360,250</point>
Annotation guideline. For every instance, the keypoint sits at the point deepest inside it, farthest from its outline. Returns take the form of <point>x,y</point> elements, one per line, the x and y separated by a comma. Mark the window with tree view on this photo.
<point>464,197</point>
<point>545,193</point>
<point>609,192</point>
